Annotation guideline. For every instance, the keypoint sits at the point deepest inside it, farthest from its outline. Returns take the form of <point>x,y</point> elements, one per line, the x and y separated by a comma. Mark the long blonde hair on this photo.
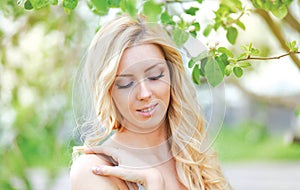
<point>196,169</point>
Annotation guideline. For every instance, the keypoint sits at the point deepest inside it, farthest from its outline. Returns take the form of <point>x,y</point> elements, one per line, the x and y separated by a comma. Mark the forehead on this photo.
<point>140,57</point>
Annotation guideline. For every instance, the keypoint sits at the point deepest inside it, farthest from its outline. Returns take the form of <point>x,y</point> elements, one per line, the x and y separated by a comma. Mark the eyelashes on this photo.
<point>124,86</point>
<point>157,77</point>
<point>128,85</point>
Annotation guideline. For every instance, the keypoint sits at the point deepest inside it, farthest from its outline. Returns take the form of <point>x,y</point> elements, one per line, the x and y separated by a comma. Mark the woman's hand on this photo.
<point>130,166</point>
<point>150,178</point>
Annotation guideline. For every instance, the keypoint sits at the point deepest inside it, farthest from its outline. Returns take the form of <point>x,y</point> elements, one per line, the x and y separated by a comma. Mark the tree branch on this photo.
<point>268,58</point>
<point>289,102</point>
<point>229,23</point>
<point>278,33</point>
<point>292,21</point>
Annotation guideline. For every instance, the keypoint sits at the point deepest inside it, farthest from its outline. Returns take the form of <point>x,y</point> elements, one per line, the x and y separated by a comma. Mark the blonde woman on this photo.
<point>143,128</point>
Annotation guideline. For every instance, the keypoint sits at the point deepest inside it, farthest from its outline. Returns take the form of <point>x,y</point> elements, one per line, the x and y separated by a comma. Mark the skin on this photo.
<point>143,81</point>
<point>138,153</point>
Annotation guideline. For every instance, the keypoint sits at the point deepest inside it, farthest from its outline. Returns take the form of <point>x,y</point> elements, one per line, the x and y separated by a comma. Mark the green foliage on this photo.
<point>224,19</point>
<point>192,10</point>
<point>33,139</point>
<point>28,5</point>
<point>35,131</point>
<point>114,3</point>
<point>213,72</point>
<point>232,34</point>
<point>238,71</point>
<point>129,6</point>
<point>69,5</point>
<point>99,7</point>
<point>152,10</point>
<point>182,24</point>
<point>180,37</point>
<point>292,46</point>
<point>38,4</point>
<point>196,75</point>
<point>250,141</point>
<point>277,7</point>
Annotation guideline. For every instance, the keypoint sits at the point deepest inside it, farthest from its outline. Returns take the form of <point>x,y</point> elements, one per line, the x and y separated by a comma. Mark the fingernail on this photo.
<point>97,170</point>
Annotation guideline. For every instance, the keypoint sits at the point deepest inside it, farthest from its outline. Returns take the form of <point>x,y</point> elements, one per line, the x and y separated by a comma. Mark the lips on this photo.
<point>147,110</point>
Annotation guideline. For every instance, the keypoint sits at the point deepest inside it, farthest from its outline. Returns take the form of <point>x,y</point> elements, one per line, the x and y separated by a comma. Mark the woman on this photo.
<point>145,128</point>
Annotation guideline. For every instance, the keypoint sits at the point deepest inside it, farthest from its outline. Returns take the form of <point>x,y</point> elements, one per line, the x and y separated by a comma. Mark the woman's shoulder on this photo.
<point>82,177</point>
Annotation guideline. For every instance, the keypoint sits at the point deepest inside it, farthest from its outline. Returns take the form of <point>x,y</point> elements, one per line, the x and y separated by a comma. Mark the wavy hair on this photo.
<point>196,169</point>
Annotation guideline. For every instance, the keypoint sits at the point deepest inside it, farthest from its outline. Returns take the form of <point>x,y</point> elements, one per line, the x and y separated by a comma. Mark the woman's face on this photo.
<point>141,91</point>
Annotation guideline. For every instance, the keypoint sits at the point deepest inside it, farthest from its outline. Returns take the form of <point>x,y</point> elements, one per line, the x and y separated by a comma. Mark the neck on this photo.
<point>142,140</point>
<point>152,148</point>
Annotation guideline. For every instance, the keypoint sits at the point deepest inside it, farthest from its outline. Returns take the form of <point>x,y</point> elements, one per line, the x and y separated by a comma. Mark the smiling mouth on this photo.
<point>148,109</point>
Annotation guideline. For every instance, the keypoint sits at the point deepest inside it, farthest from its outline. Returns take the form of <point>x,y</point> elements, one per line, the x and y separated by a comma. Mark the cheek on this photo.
<point>164,92</point>
<point>123,101</point>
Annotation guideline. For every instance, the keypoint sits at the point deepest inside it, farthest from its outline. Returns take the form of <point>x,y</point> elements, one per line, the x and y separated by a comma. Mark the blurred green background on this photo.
<point>39,54</point>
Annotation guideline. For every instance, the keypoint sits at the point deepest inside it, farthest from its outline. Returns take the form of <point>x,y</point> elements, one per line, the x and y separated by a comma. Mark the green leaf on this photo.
<point>192,62</point>
<point>234,5</point>
<point>194,34</point>
<point>196,75</point>
<point>243,55</point>
<point>224,59</point>
<point>221,63</point>
<point>203,64</point>
<point>54,2</point>
<point>213,72</point>
<point>228,69</point>
<point>232,34</point>
<point>28,5</point>
<point>199,1</point>
<point>240,24</point>
<point>280,12</point>
<point>129,6</point>
<point>254,51</point>
<point>38,4</point>
<point>207,30</point>
<point>192,10</point>
<point>70,4</point>
<point>226,51</point>
<point>113,3</point>
<point>297,111</point>
<point>244,65</point>
<point>101,6</point>
<point>197,26</point>
<point>180,37</point>
<point>292,46</point>
<point>238,71</point>
<point>166,19</point>
<point>152,10</point>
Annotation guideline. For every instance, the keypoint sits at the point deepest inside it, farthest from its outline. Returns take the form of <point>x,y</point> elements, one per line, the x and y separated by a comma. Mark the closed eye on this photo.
<point>125,86</point>
<point>156,77</point>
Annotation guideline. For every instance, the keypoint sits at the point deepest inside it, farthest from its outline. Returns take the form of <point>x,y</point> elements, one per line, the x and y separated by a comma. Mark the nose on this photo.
<point>143,91</point>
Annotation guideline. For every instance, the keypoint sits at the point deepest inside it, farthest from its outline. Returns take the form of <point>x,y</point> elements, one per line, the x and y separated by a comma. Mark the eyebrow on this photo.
<point>146,70</point>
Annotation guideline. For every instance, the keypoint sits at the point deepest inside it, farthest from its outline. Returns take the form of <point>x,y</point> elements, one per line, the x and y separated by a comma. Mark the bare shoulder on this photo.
<point>82,177</point>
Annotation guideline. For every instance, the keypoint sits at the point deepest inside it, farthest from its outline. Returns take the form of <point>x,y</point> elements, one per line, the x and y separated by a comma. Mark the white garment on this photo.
<point>140,186</point>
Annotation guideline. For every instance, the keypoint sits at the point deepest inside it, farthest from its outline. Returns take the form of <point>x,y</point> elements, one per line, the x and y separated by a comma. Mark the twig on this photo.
<point>278,33</point>
<point>267,58</point>
<point>235,20</point>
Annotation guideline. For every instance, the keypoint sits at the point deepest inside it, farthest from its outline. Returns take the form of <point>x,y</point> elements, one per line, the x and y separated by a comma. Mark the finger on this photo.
<point>107,151</point>
<point>122,173</point>
<point>110,151</point>
<point>93,150</point>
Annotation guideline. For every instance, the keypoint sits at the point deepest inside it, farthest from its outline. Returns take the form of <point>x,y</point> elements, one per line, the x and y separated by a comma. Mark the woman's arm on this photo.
<point>150,178</point>
<point>82,177</point>
<point>147,175</point>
